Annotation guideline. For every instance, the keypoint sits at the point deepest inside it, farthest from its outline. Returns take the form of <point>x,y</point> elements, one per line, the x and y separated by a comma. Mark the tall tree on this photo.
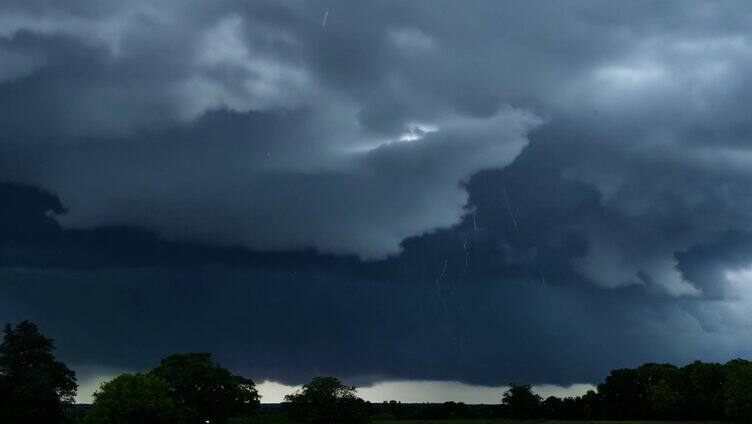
<point>35,388</point>
<point>704,390</point>
<point>521,402</point>
<point>622,396</point>
<point>206,391</point>
<point>592,405</point>
<point>134,398</point>
<point>325,400</point>
<point>737,391</point>
<point>663,388</point>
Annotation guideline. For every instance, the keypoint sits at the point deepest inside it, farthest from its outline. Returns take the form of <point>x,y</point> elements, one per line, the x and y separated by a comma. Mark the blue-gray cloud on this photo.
<point>489,191</point>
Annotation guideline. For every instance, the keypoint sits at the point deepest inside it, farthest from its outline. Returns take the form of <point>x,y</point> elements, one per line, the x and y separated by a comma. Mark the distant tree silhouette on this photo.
<point>325,400</point>
<point>698,391</point>
<point>442,411</point>
<point>569,408</point>
<point>134,398</point>
<point>391,409</point>
<point>35,388</point>
<point>205,391</point>
<point>520,402</point>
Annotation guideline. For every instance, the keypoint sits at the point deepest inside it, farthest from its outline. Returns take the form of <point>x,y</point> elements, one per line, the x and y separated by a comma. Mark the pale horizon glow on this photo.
<point>427,391</point>
<point>402,391</point>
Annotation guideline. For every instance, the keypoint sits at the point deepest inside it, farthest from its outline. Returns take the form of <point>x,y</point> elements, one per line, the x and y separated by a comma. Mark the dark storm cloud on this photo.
<point>493,299</point>
<point>531,191</point>
<point>136,76</point>
<point>291,327</point>
<point>314,149</point>
<point>396,319</point>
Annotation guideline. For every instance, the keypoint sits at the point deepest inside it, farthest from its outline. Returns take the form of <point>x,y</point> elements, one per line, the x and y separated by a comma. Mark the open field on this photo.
<point>276,419</point>
<point>502,421</point>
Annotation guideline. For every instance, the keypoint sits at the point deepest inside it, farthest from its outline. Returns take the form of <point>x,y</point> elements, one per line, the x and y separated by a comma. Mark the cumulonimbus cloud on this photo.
<point>234,137</point>
<point>256,124</point>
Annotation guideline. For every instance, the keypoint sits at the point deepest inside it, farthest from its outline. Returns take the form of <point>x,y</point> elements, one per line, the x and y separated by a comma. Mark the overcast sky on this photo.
<point>391,192</point>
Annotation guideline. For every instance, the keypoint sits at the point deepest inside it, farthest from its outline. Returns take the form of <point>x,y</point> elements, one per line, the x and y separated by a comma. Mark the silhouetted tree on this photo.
<point>551,408</point>
<point>698,391</point>
<point>737,391</point>
<point>520,402</point>
<point>134,398</point>
<point>325,400</point>
<point>662,386</point>
<point>205,391</point>
<point>569,408</point>
<point>592,405</point>
<point>34,386</point>
<point>704,391</point>
<point>391,409</point>
<point>621,395</point>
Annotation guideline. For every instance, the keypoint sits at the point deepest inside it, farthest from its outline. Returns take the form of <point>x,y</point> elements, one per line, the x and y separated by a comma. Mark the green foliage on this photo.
<point>134,398</point>
<point>520,402</point>
<point>621,395</point>
<point>204,390</point>
<point>508,421</point>
<point>738,391</point>
<point>34,387</point>
<point>704,390</point>
<point>569,408</point>
<point>325,400</point>
<point>698,391</point>
<point>662,386</point>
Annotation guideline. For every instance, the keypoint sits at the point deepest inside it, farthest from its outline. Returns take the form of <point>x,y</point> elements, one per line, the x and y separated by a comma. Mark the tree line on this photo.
<point>698,391</point>
<point>36,388</point>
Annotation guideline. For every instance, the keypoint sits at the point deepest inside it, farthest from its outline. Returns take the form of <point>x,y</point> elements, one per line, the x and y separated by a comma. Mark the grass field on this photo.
<point>272,419</point>
<point>481,421</point>
<point>492,421</point>
<point>278,419</point>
